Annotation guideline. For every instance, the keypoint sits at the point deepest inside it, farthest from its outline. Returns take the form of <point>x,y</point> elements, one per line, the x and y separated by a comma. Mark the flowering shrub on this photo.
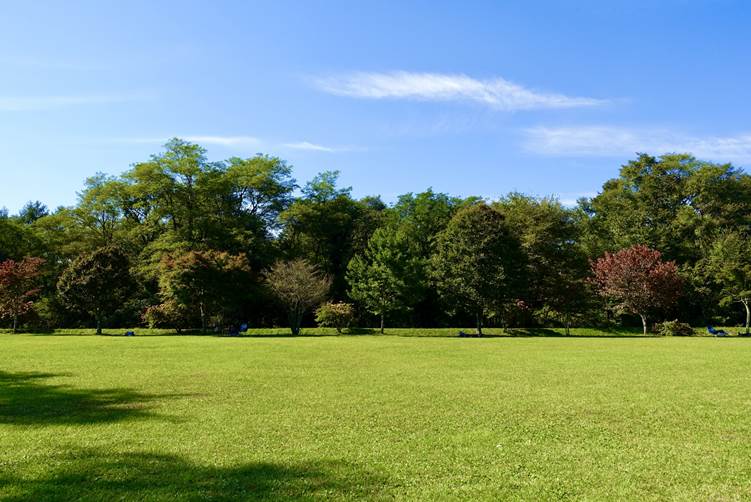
<point>335,315</point>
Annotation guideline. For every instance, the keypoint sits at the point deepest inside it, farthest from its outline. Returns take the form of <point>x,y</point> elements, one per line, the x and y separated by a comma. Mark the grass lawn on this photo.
<point>327,417</point>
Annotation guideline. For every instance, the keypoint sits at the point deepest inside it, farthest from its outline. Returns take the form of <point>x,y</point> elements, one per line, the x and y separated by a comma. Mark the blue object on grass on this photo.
<point>716,332</point>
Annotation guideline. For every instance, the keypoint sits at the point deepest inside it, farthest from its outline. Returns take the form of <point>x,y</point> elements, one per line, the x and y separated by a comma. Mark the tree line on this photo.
<point>182,242</point>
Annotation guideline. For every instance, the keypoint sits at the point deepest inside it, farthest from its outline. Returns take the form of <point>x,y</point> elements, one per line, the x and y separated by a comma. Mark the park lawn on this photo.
<point>379,417</point>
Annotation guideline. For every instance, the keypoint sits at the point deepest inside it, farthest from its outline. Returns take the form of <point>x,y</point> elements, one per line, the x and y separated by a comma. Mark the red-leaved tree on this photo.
<point>637,281</point>
<point>19,284</point>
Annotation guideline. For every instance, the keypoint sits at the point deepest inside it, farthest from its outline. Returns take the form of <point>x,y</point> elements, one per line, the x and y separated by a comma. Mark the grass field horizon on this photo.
<point>488,332</point>
<point>376,417</point>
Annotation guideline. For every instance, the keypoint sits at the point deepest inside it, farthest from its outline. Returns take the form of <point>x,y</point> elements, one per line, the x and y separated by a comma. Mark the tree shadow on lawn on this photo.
<point>25,399</point>
<point>198,334</point>
<point>551,333</point>
<point>97,475</point>
<point>346,332</point>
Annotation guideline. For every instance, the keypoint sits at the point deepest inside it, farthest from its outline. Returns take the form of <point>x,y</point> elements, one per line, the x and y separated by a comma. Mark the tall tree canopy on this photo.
<point>385,256</point>
<point>382,278</point>
<point>97,283</point>
<point>477,262</point>
<point>324,226</point>
<point>556,265</point>
<point>207,283</point>
<point>728,270</point>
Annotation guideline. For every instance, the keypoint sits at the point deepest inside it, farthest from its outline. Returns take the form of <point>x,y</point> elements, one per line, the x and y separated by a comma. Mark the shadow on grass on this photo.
<point>119,333</point>
<point>25,399</point>
<point>416,333</point>
<point>95,475</point>
<point>551,333</point>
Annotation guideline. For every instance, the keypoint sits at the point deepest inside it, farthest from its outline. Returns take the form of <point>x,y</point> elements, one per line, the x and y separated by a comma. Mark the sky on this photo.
<point>467,97</point>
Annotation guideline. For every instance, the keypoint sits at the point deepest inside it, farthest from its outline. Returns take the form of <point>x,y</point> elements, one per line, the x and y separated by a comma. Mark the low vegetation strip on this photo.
<point>424,332</point>
<point>374,417</point>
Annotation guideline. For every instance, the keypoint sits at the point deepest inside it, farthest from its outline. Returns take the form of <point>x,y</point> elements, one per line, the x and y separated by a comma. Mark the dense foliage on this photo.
<point>196,241</point>
<point>637,281</point>
<point>19,284</point>
<point>337,315</point>
<point>96,284</point>
<point>477,263</point>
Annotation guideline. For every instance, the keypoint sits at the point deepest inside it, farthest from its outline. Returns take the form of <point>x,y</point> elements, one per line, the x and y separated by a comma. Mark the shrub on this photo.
<point>167,315</point>
<point>674,328</point>
<point>335,315</point>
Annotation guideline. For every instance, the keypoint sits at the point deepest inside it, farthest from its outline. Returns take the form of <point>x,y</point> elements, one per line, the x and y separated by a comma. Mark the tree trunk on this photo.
<point>295,319</point>
<point>643,323</point>
<point>478,318</point>
<point>203,317</point>
<point>98,323</point>
<point>748,313</point>
<point>382,323</point>
<point>568,325</point>
<point>15,323</point>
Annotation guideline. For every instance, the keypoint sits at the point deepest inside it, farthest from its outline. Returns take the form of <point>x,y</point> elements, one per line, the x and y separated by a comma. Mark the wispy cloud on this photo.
<point>607,141</point>
<point>496,93</point>
<point>236,141</point>
<point>30,103</point>
<point>305,145</point>
<point>239,142</point>
<point>314,147</point>
<point>228,141</point>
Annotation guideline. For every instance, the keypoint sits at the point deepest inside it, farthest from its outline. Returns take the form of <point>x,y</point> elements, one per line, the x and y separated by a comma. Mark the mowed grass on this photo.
<point>375,417</point>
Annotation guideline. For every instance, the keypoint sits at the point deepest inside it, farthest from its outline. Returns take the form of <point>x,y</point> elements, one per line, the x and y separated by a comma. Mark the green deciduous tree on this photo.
<point>32,211</point>
<point>261,186</point>
<point>476,262</point>
<point>99,209</point>
<point>382,278</point>
<point>169,314</point>
<point>18,240</point>
<point>325,225</point>
<point>422,217</point>
<point>729,268</point>
<point>208,282</point>
<point>673,203</point>
<point>97,283</point>
<point>556,265</point>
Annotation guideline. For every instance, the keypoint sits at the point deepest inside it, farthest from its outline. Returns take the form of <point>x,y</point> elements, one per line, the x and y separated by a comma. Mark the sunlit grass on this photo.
<point>538,418</point>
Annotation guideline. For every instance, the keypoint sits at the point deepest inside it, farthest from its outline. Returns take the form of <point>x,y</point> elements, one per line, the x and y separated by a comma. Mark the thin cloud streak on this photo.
<point>305,145</point>
<point>606,141</point>
<point>497,93</point>
<point>33,103</point>
<point>314,147</point>
<point>238,142</point>
<point>228,141</point>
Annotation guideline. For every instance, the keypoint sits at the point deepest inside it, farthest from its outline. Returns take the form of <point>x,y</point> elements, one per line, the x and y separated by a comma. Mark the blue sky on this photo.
<point>474,97</point>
